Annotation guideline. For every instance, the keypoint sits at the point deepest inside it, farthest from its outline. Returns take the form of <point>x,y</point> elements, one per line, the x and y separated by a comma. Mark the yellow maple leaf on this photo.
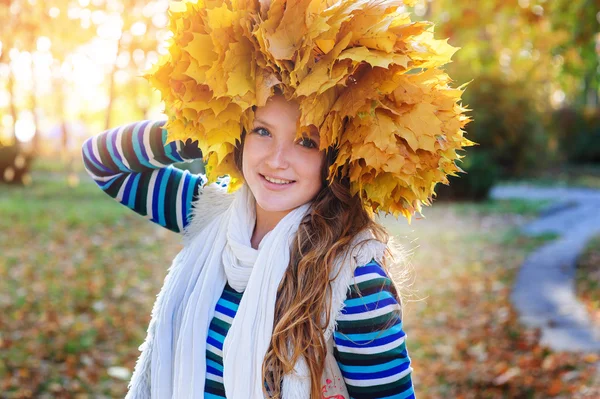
<point>237,62</point>
<point>380,131</point>
<point>347,63</point>
<point>374,58</point>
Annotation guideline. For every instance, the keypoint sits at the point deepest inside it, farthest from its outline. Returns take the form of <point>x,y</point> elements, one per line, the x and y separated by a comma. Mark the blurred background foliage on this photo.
<point>71,68</point>
<point>534,94</point>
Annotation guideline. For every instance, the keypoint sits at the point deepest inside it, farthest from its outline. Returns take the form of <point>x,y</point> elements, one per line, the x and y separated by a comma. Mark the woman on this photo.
<point>131,163</point>
<point>317,114</point>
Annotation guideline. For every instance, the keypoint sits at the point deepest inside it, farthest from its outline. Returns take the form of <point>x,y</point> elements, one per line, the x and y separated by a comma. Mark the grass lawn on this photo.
<point>583,176</point>
<point>79,275</point>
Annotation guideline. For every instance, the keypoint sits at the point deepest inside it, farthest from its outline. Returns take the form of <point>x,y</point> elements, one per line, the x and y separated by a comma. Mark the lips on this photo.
<point>277,180</point>
<point>275,186</point>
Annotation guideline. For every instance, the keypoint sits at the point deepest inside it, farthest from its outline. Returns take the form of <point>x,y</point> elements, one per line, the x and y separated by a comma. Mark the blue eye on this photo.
<point>258,129</point>
<point>308,143</point>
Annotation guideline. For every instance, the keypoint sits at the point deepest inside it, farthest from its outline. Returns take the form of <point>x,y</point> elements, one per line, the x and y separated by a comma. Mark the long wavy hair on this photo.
<point>303,297</point>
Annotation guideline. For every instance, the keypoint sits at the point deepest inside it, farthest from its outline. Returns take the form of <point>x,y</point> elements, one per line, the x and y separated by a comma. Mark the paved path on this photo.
<point>544,290</point>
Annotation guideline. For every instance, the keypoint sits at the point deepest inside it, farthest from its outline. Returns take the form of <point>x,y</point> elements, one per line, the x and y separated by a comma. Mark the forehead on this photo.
<point>279,106</point>
<point>279,113</point>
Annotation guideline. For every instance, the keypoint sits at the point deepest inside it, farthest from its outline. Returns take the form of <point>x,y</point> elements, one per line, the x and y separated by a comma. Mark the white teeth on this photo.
<point>277,181</point>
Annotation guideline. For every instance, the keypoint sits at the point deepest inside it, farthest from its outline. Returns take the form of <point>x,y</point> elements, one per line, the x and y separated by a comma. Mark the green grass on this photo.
<point>47,201</point>
<point>507,206</point>
<point>58,164</point>
<point>577,176</point>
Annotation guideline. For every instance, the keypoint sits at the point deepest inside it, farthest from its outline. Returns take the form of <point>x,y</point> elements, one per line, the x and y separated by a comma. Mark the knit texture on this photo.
<point>129,164</point>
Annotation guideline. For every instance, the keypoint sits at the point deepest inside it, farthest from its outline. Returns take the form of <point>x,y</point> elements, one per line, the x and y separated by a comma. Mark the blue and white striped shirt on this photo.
<point>133,165</point>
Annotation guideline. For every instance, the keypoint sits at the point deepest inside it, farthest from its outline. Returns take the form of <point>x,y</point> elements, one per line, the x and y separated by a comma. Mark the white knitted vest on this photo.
<point>212,201</point>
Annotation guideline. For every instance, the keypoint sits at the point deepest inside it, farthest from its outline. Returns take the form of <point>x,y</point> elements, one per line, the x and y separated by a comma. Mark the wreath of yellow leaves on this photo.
<point>362,72</point>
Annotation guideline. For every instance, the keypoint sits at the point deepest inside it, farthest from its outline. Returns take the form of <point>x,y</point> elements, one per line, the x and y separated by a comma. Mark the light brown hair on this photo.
<point>303,297</point>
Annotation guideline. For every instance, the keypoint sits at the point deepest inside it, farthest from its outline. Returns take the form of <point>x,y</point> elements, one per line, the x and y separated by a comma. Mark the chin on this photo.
<point>276,205</point>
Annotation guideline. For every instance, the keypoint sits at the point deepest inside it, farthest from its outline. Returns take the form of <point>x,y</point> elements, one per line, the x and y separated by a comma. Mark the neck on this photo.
<point>265,222</point>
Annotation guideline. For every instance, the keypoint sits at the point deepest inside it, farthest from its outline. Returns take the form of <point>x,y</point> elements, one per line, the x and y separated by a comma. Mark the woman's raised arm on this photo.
<point>132,164</point>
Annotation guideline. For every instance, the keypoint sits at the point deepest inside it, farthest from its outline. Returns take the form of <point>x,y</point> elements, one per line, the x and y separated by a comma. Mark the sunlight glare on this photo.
<point>138,56</point>
<point>138,29</point>
<point>42,67</point>
<point>103,53</point>
<point>98,17</point>
<point>86,72</point>
<point>121,77</point>
<point>151,59</point>
<point>4,99</point>
<point>162,6</point>
<point>25,127</point>
<point>15,8</point>
<point>123,59</point>
<point>160,20</point>
<point>44,43</point>
<point>524,3</point>
<point>111,29</point>
<point>73,12</point>
<point>21,67</point>
<point>557,99</point>
<point>13,54</point>
<point>420,8</point>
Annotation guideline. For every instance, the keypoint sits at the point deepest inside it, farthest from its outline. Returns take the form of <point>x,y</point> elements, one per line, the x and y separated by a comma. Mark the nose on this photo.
<point>278,157</point>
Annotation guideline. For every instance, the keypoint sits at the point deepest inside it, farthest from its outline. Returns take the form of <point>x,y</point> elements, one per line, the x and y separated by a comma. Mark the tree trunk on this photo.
<point>13,107</point>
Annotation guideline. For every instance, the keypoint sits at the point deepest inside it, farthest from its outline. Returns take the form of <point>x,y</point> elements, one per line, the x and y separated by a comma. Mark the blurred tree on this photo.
<point>62,33</point>
<point>580,53</point>
<point>18,31</point>
<point>515,52</point>
<point>143,27</point>
<point>515,40</point>
<point>31,28</point>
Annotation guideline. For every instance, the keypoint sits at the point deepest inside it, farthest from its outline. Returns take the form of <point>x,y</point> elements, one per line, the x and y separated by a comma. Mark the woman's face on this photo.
<point>282,172</point>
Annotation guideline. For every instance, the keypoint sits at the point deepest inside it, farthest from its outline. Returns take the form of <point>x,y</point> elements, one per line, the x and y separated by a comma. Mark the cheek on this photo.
<point>312,171</point>
<point>249,157</point>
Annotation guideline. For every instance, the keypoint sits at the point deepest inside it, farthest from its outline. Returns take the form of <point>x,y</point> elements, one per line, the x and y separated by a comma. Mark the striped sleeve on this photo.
<point>370,344</point>
<point>132,164</point>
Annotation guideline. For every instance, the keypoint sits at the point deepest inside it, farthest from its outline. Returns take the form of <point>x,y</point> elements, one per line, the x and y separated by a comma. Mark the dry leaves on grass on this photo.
<point>587,280</point>
<point>463,335</point>
<point>74,307</point>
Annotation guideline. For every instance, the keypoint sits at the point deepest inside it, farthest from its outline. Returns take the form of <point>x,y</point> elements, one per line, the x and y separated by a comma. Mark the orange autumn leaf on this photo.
<point>366,76</point>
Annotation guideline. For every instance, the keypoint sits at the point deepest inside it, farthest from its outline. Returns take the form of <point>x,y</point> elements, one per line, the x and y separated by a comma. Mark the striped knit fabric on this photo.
<point>225,311</point>
<point>370,344</point>
<point>133,165</point>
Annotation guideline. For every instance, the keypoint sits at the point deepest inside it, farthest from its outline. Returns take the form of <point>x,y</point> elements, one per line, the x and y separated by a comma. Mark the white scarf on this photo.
<point>217,250</point>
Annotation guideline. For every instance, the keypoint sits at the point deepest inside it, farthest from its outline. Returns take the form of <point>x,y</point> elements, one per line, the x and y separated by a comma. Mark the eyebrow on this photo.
<point>263,122</point>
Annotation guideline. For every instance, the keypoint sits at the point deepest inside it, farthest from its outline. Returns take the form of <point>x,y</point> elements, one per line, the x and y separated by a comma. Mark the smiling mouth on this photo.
<point>277,181</point>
